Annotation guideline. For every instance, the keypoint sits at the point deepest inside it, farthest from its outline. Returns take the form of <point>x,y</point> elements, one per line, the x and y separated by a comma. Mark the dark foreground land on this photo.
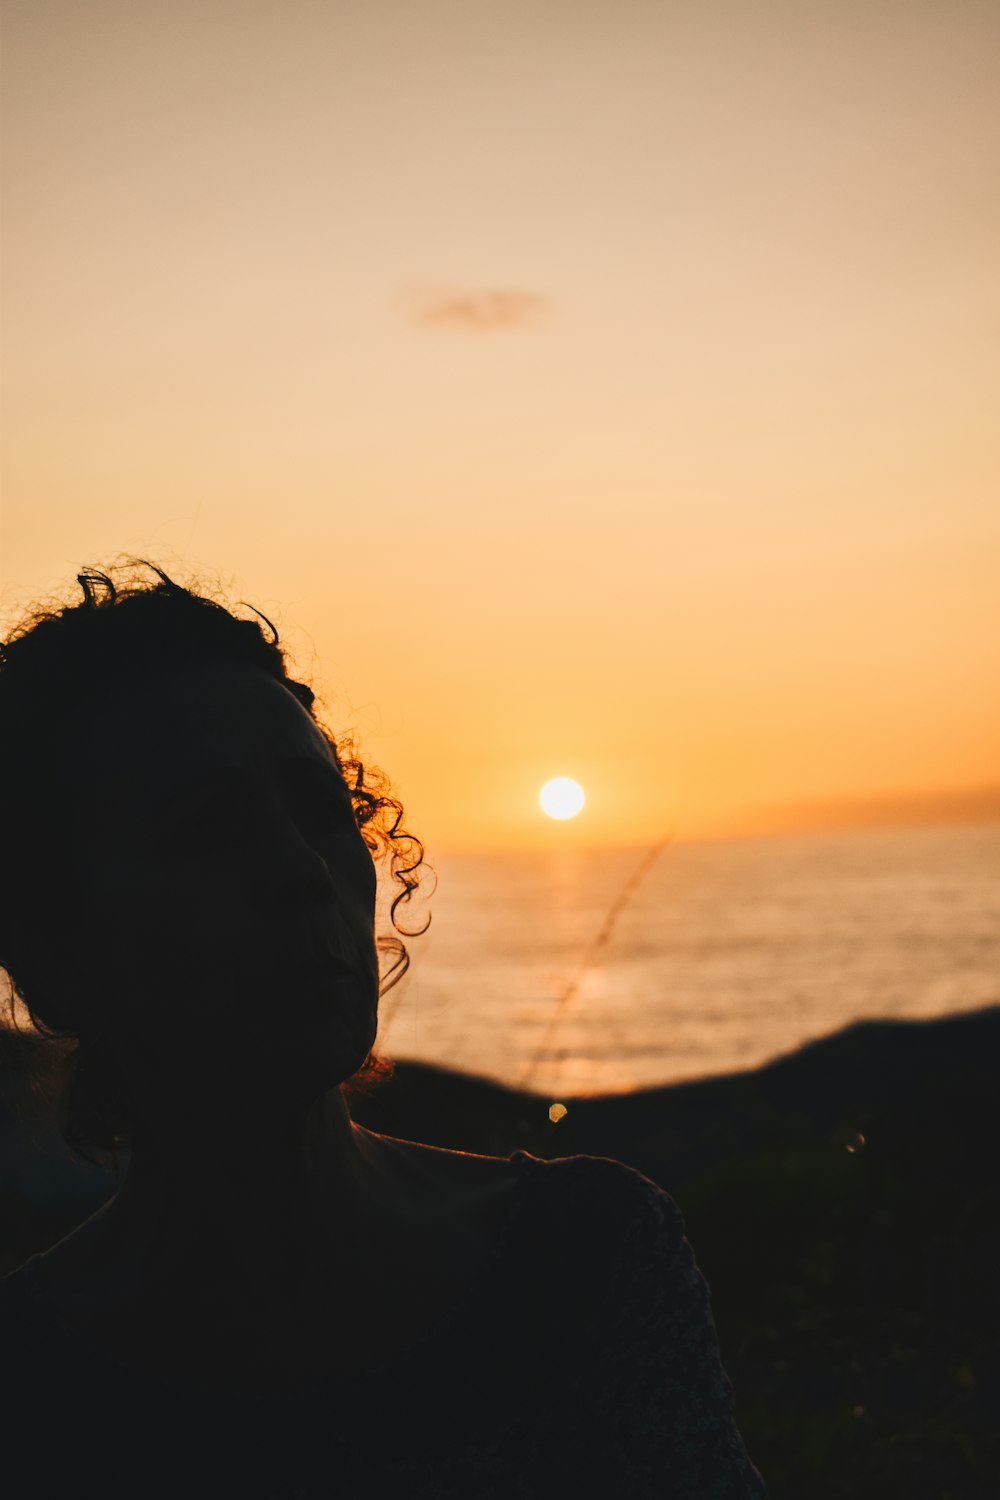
<point>843,1202</point>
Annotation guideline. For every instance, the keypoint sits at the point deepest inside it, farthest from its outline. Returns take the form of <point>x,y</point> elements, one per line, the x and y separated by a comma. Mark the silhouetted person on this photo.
<point>278,1302</point>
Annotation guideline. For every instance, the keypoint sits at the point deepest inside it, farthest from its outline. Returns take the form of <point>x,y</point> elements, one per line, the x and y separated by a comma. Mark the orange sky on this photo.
<point>585,389</point>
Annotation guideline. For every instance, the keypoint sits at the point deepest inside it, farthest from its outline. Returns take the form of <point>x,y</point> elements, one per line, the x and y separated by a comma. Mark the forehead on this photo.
<point>193,718</point>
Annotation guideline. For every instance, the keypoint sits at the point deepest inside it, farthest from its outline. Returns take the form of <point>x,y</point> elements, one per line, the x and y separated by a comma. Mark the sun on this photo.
<point>562,797</point>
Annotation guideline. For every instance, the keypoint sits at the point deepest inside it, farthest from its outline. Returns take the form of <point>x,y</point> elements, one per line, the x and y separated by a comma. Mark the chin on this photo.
<point>342,1057</point>
<point>321,1056</point>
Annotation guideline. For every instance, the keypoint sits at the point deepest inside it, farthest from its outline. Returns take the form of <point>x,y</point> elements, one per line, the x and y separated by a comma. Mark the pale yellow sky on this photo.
<point>605,390</point>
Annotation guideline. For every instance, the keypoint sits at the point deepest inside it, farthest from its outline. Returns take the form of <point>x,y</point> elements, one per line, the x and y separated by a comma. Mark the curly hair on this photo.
<point>56,662</point>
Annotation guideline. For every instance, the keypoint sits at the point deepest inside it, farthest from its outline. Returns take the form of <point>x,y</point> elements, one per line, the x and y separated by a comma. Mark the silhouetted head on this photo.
<point>189,873</point>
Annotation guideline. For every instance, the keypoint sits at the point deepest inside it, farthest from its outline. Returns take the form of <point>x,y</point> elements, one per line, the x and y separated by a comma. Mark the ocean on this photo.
<point>550,971</point>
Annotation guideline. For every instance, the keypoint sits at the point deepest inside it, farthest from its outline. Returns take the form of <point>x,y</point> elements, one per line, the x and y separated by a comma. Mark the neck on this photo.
<point>257,1193</point>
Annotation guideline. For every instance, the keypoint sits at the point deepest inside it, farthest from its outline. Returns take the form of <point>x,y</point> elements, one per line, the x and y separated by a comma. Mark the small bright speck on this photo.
<point>562,797</point>
<point>556,1112</point>
<point>858,1144</point>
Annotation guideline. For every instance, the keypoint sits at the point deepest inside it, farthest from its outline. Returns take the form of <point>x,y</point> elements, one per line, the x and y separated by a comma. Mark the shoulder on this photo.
<point>637,1210</point>
<point>602,1173</point>
<point>430,1169</point>
<point>455,1192</point>
<point>610,1226</point>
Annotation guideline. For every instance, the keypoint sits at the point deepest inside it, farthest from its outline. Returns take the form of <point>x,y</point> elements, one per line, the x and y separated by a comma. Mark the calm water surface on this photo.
<point>726,954</point>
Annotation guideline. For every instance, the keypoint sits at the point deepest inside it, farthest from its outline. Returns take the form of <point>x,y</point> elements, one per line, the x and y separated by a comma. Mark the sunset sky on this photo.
<point>604,390</point>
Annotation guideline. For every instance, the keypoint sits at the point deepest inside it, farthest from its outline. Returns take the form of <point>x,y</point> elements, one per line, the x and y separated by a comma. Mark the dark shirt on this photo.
<point>583,1362</point>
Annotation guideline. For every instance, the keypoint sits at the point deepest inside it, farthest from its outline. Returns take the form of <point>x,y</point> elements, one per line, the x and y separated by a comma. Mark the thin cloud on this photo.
<point>490,310</point>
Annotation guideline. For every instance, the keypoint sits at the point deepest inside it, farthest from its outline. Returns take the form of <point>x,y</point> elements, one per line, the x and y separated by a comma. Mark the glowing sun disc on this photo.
<point>562,797</point>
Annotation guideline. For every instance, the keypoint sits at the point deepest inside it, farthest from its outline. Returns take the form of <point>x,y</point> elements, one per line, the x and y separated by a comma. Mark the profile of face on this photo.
<point>227,897</point>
